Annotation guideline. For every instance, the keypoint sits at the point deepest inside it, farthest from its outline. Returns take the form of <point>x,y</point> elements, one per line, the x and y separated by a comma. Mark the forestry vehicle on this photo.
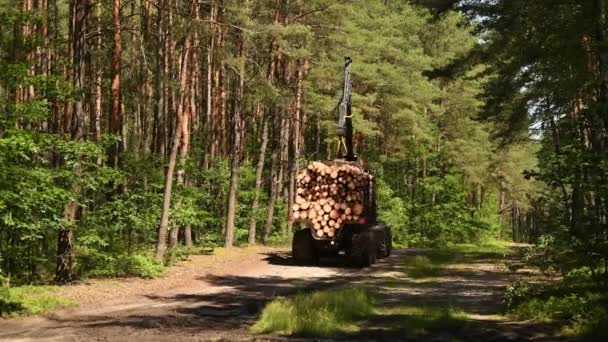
<point>358,235</point>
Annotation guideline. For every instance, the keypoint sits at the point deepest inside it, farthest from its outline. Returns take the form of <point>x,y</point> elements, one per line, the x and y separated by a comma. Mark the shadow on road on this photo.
<point>228,306</point>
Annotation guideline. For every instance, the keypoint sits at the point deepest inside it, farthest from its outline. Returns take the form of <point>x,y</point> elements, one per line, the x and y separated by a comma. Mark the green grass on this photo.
<point>30,300</point>
<point>421,266</point>
<point>416,321</point>
<point>329,313</point>
<point>430,263</point>
<point>322,313</point>
<point>137,265</point>
<point>490,247</point>
<point>576,303</point>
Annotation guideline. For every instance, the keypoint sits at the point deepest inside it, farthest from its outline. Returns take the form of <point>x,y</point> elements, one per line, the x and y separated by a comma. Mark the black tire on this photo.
<point>303,248</point>
<point>386,244</point>
<point>361,252</point>
<point>389,242</point>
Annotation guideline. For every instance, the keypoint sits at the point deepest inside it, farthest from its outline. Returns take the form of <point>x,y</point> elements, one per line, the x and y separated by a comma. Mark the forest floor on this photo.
<point>218,297</point>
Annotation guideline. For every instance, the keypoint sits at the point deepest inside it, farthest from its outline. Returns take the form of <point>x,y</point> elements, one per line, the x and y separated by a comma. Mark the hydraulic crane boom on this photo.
<point>345,123</point>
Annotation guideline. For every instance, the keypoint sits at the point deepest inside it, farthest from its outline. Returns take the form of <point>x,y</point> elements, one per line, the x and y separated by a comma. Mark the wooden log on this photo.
<point>312,213</point>
<point>357,209</point>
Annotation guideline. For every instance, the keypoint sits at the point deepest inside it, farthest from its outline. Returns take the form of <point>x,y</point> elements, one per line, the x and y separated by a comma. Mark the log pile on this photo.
<point>328,195</point>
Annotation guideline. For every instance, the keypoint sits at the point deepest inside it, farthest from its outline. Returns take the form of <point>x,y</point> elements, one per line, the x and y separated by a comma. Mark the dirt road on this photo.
<point>218,297</point>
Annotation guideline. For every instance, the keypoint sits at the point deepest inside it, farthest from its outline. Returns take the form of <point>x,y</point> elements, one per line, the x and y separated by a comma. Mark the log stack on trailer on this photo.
<point>329,195</point>
<point>336,203</point>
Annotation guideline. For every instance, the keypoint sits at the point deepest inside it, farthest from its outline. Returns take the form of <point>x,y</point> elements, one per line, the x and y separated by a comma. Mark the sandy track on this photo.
<point>216,298</point>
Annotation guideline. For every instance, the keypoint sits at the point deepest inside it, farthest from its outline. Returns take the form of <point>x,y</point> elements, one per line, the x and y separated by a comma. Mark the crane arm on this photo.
<point>345,123</point>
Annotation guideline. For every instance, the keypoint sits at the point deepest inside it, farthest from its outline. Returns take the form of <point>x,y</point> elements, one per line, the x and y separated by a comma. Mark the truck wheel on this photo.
<point>389,242</point>
<point>386,243</point>
<point>360,252</point>
<point>303,248</point>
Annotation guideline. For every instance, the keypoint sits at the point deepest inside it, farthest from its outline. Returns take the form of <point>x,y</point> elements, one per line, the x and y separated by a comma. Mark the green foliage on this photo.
<point>418,321</point>
<point>421,266</point>
<point>30,300</point>
<point>576,302</point>
<point>126,265</point>
<point>322,313</point>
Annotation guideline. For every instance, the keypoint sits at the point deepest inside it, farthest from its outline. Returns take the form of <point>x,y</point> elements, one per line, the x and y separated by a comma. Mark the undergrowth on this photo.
<point>127,265</point>
<point>416,321</point>
<point>30,300</point>
<point>577,303</point>
<point>323,313</point>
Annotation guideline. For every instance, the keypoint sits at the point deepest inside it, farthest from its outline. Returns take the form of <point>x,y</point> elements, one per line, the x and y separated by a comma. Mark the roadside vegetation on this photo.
<point>358,309</point>
<point>30,300</point>
<point>576,301</point>
<point>322,313</point>
<point>343,312</point>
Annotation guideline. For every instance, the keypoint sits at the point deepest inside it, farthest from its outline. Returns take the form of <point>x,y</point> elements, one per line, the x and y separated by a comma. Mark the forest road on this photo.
<point>207,299</point>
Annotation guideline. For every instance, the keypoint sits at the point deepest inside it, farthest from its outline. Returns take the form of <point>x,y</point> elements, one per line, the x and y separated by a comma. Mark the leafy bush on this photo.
<point>181,253</point>
<point>30,300</point>
<point>128,265</point>
<point>575,301</point>
<point>421,266</point>
<point>322,313</point>
<point>422,320</point>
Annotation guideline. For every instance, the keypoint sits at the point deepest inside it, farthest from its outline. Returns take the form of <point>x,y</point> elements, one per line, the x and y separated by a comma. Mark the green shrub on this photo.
<point>181,253</point>
<point>421,266</point>
<point>30,300</point>
<point>128,265</point>
<point>422,320</point>
<point>322,313</point>
<point>575,302</point>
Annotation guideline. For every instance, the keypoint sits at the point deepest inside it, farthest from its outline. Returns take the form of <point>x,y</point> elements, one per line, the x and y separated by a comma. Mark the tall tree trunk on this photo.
<point>209,154</point>
<point>184,150</point>
<point>146,122</point>
<point>274,183</point>
<point>63,271</point>
<point>237,128</point>
<point>116,120</point>
<point>258,182</point>
<point>183,97</point>
<point>97,64</point>
<point>159,115</point>
<point>294,161</point>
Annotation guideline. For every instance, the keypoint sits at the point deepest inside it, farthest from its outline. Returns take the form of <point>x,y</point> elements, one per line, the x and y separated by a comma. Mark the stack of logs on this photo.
<point>328,195</point>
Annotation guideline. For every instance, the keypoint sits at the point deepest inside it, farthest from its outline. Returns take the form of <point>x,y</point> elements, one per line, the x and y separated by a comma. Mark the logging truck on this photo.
<point>335,206</point>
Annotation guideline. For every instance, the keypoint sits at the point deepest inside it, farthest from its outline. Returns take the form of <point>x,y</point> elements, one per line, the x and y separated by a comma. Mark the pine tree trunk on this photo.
<point>116,120</point>
<point>209,88</point>
<point>237,127</point>
<point>63,271</point>
<point>97,64</point>
<point>274,185</point>
<point>183,87</point>
<point>147,88</point>
<point>158,139</point>
<point>258,182</point>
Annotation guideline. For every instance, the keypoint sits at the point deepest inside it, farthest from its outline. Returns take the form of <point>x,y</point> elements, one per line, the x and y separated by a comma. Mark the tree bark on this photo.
<point>294,161</point>
<point>237,127</point>
<point>258,182</point>
<point>116,120</point>
<point>183,87</point>
<point>210,153</point>
<point>63,271</point>
<point>97,74</point>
